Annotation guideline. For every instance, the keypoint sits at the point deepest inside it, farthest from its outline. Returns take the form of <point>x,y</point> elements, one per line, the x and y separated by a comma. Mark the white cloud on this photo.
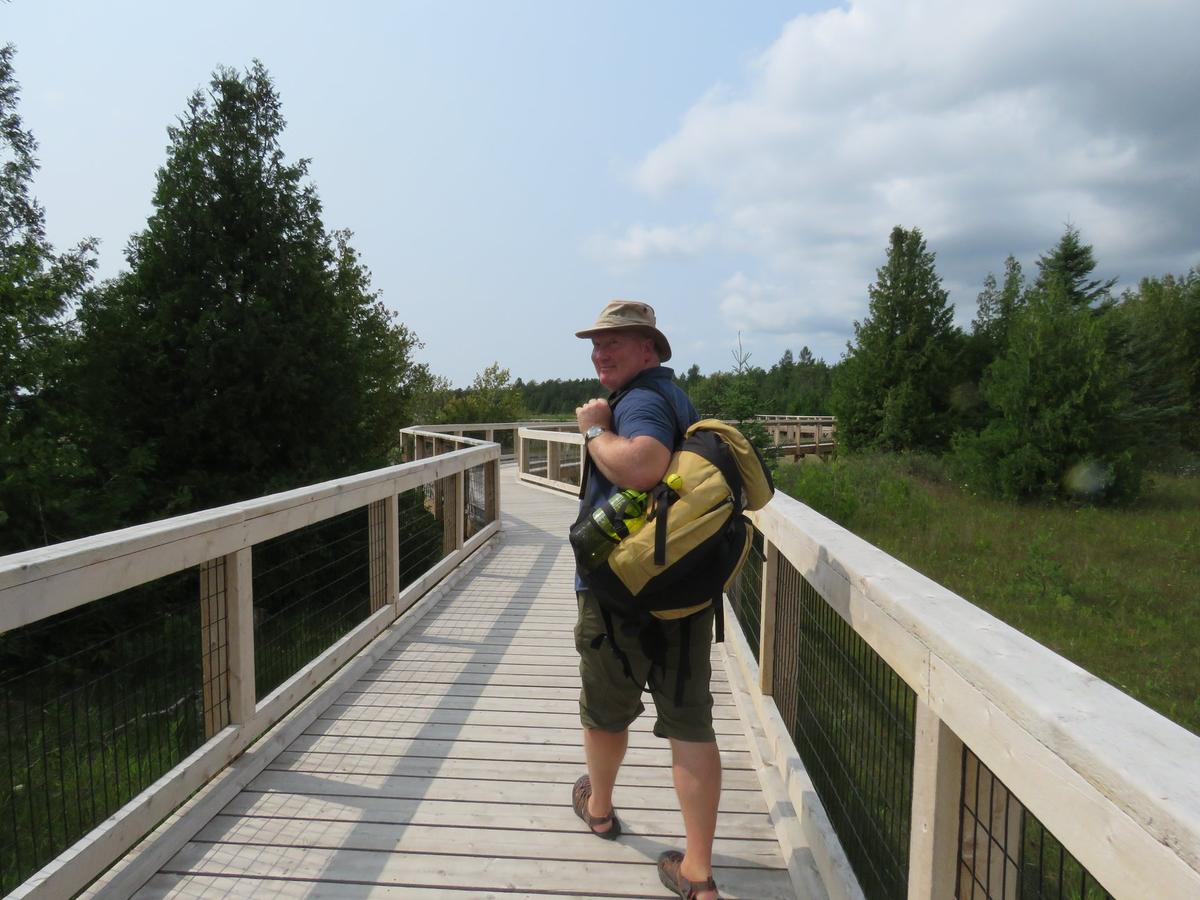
<point>758,307</point>
<point>989,126</point>
<point>642,243</point>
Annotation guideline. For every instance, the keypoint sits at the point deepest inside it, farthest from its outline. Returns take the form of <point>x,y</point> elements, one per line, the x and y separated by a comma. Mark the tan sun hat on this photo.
<point>630,314</point>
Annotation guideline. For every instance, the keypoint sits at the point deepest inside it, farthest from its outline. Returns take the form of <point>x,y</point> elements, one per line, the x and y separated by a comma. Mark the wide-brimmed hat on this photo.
<point>632,315</point>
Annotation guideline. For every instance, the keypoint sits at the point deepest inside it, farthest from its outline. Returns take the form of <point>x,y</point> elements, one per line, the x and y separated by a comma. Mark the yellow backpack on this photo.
<point>696,538</point>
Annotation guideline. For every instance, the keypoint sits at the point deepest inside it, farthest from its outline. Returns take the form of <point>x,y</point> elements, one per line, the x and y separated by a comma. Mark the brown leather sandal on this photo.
<point>580,795</point>
<point>669,865</point>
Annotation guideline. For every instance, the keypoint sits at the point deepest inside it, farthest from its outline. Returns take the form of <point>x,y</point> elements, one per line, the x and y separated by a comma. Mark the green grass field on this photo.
<point>1117,591</point>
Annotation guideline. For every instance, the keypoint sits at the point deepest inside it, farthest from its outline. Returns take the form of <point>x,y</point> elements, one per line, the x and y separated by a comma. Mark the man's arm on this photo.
<point>639,462</point>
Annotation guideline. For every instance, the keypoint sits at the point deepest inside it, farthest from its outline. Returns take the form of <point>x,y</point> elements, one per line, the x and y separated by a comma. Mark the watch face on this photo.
<point>594,432</point>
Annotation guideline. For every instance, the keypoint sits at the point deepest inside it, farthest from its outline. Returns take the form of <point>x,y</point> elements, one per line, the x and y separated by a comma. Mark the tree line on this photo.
<point>1059,389</point>
<point>242,350</point>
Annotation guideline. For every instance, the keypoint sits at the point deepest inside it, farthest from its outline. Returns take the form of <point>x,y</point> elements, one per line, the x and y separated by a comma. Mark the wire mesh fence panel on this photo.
<point>95,704</point>
<point>1005,853</point>
<point>311,587</point>
<point>852,719</point>
<point>421,531</point>
<point>745,594</point>
<point>569,457</point>
<point>475,502</point>
<point>536,457</point>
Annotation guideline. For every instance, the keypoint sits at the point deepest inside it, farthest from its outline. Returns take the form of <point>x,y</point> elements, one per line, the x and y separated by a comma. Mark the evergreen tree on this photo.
<point>244,351</point>
<point>1160,327</point>
<point>1060,408</point>
<point>39,459</point>
<point>998,305</point>
<point>892,390</point>
<point>1071,263</point>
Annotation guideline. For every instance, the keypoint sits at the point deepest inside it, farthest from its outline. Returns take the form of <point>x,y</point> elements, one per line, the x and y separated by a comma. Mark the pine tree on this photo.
<point>1060,409</point>
<point>1071,262</point>
<point>892,390</point>
<point>998,305</point>
<point>39,459</point>
<point>244,351</point>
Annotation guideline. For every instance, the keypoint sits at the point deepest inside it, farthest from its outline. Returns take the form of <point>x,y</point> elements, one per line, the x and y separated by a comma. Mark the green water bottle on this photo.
<point>595,536</point>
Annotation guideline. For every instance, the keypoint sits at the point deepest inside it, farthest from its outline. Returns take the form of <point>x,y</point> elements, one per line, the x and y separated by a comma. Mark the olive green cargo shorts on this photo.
<point>610,700</point>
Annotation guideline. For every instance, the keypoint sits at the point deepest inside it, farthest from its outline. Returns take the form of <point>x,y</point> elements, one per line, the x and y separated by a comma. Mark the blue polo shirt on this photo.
<point>643,411</point>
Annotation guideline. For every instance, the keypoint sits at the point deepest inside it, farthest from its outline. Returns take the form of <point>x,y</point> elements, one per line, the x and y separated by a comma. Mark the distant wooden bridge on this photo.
<point>882,737</point>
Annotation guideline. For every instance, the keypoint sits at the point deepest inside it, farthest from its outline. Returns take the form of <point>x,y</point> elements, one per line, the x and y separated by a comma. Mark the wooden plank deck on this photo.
<point>446,771</point>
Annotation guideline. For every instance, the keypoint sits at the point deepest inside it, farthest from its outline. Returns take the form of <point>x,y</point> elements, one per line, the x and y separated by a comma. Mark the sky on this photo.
<point>509,166</point>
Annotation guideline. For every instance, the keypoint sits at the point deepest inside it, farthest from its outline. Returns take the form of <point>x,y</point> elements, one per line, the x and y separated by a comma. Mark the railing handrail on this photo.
<point>454,427</point>
<point>217,544</point>
<point>562,437</point>
<point>1112,779</point>
<point>25,576</point>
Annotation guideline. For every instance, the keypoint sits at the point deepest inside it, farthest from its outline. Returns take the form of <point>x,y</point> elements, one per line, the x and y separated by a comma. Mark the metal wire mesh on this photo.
<point>214,646</point>
<point>96,704</point>
<point>535,458</point>
<point>568,463</point>
<point>311,586</point>
<point>745,594</point>
<point>1005,853</point>
<point>852,719</point>
<point>475,503</point>
<point>422,533</point>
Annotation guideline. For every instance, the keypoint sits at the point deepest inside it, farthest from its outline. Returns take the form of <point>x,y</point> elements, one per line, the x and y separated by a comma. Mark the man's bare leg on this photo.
<point>604,750</point>
<point>696,767</point>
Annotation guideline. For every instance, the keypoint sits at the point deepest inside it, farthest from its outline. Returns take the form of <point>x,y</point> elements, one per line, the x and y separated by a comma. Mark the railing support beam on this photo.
<point>239,591</point>
<point>766,619</point>
<point>936,795</point>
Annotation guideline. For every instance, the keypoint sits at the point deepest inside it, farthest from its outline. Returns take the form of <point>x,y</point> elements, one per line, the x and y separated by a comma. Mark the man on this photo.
<point>631,447</point>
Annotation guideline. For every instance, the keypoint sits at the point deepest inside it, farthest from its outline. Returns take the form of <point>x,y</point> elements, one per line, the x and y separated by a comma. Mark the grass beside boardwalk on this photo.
<point>1117,591</point>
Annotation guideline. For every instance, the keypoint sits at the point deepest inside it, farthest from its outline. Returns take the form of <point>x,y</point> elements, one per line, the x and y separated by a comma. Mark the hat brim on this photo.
<point>661,344</point>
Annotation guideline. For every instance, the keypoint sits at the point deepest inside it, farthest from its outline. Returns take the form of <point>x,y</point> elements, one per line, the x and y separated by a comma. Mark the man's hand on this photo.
<point>594,412</point>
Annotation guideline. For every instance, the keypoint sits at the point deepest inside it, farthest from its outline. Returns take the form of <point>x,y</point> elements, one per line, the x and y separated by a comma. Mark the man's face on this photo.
<point>619,355</point>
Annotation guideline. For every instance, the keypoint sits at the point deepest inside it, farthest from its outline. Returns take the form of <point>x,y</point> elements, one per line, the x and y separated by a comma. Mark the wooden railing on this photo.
<point>216,546</point>
<point>503,433</point>
<point>801,435</point>
<point>1000,748</point>
<point>550,457</point>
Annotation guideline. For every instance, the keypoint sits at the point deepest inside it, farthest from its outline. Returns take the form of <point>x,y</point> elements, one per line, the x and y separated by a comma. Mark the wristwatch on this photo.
<point>592,433</point>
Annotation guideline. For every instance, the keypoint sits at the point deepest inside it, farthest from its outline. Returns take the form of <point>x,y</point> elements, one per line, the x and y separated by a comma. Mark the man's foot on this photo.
<point>670,873</point>
<point>607,827</point>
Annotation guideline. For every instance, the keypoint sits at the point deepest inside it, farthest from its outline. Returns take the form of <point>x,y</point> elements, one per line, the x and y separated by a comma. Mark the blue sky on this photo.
<point>507,167</point>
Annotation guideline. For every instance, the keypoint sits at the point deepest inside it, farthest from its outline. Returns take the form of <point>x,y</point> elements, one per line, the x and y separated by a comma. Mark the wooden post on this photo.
<point>489,435</point>
<point>214,645</point>
<point>460,509</point>
<point>447,501</point>
<point>766,618</point>
<point>239,593</point>
<point>553,460</point>
<point>936,794</point>
<point>520,446</point>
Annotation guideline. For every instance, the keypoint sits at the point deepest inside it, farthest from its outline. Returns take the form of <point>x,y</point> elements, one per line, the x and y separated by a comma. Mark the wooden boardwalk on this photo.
<point>446,771</point>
